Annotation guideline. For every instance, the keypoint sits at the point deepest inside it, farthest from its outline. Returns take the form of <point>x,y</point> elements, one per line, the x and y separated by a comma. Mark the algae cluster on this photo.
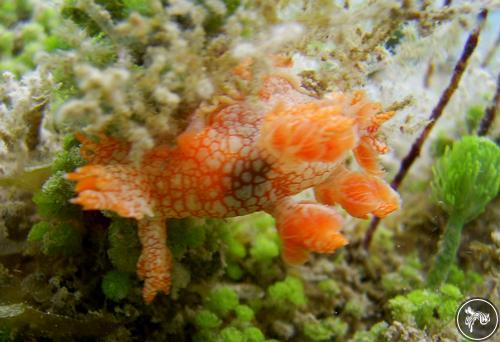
<point>136,70</point>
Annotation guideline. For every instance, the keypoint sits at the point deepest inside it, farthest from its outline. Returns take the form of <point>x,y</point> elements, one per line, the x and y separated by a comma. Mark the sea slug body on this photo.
<point>247,156</point>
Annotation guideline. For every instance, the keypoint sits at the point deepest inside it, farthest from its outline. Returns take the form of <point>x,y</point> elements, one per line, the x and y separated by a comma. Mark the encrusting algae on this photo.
<point>246,156</point>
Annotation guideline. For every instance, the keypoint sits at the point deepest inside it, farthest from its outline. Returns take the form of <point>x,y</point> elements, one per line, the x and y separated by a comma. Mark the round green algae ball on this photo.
<point>116,285</point>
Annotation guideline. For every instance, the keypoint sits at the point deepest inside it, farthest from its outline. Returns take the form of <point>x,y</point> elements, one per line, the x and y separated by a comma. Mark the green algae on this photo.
<point>137,69</point>
<point>466,179</point>
<point>116,285</point>
<point>125,248</point>
<point>222,301</point>
<point>427,309</point>
<point>206,319</point>
<point>288,291</point>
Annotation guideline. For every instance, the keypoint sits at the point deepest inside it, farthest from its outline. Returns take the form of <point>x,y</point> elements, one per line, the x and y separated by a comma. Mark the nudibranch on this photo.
<point>245,155</point>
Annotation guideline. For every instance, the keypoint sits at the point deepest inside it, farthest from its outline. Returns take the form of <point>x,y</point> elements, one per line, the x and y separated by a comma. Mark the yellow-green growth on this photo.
<point>264,248</point>
<point>53,200</point>
<point>23,31</point>
<point>375,334</point>
<point>140,6</point>
<point>70,158</point>
<point>184,234</point>
<point>6,41</point>
<point>325,330</point>
<point>253,334</point>
<point>56,239</point>
<point>222,300</point>
<point>329,287</point>
<point>232,334</point>
<point>473,118</point>
<point>234,248</point>
<point>426,308</point>
<point>466,179</point>
<point>38,231</point>
<point>234,271</point>
<point>408,275</point>
<point>116,285</point>
<point>355,307</point>
<point>465,281</point>
<point>288,291</point>
<point>124,244</point>
<point>249,334</point>
<point>244,313</point>
<point>206,319</point>
<point>59,232</point>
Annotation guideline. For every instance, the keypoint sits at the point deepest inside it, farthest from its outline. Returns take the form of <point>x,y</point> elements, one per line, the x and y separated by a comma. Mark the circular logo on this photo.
<point>477,319</point>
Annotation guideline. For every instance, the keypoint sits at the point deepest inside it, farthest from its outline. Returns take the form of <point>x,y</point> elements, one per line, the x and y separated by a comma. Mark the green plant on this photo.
<point>407,276</point>
<point>185,234</point>
<point>426,308</point>
<point>466,179</point>
<point>116,285</point>
<point>465,281</point>
<point>473,117</point>
<point>59,232</point>
<point>124,244</point>
<point>63,238</point>
<point>25,27</point>
<point>375,334</point>
<point>264,248</point>
<point>222,300</point>
<point>244,313</point>
<point>288,291</point>
<point>52,200</point>
<point>206,319</point>
<point>325,330</point>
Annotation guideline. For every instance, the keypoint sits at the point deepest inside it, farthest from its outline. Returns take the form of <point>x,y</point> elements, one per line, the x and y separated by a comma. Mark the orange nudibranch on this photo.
<point>252,154</point>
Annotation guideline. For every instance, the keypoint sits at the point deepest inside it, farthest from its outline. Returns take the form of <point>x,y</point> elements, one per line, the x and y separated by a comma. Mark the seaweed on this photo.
<point>138,70</point>
<point>466,179</point>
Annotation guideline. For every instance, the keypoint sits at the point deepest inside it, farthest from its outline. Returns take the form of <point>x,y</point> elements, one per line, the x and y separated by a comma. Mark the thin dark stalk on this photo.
<point>491,112</point>
<point>414,153</point>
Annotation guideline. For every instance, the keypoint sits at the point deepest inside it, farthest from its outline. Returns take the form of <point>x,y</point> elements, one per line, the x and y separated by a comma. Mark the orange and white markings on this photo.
<point>120,188</point>
<point>155,262</point>
<point>245,155</point>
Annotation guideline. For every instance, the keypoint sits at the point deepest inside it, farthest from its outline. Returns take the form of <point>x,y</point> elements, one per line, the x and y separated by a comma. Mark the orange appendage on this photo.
<point>105,150</point>
<point>379,119</point>
<point>359,194</point>
<point>367,156</point>
<point>120,188</point>
<point>155,263</point>
<point>358,106</point>
<point>314,131</point>
<point>367,113</point>
<point>306,227</point>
